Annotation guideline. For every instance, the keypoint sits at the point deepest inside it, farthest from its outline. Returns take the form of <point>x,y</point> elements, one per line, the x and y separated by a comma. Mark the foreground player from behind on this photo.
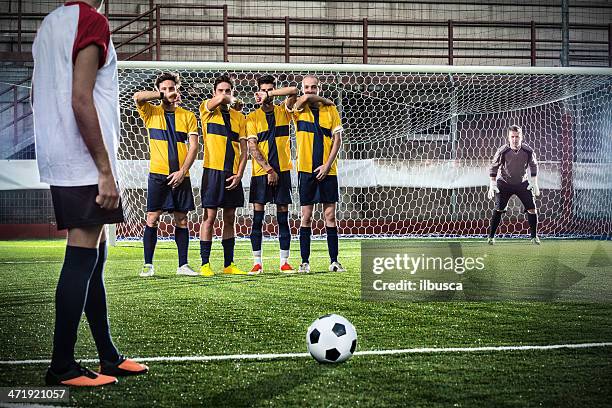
<point>270,147</point>
<point>225,157</point>
<point>318,135</point>
<point>76,119</point>
<point>511,161</point>
<point>169,185</point>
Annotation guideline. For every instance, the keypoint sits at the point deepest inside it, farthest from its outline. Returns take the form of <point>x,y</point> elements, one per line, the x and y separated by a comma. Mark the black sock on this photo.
<point>495,220</point>
<point>205,251</point>
<point>70,296</point>
<point>332,243</point>
<point>181,237</point>
<point>97,312</point>
<point>149,240</point>
<point>533,224</point>
<point>256,230</point>
<point>228,251</point>
<point>305,233</point>
<point>284,233</point>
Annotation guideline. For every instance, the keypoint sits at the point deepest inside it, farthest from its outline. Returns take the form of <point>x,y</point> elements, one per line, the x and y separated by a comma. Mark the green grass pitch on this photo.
<point>170,316</point>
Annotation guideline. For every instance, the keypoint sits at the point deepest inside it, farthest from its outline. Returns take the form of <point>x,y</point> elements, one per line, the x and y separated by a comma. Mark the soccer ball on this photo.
<point>331,339</point>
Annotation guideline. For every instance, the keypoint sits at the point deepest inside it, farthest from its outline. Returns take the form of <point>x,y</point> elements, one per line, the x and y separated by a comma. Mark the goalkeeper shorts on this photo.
<point>76,207</point>
<point>313,191</point>
<point>261,192</point>
<point>506,191</point>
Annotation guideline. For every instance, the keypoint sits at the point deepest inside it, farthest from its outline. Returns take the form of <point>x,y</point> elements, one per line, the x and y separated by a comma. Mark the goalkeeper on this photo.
<point>508,174</point>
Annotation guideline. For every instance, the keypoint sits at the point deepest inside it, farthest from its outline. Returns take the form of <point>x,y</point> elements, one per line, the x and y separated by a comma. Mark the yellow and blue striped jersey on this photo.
<point>315,128</point>
<point>221,132</point>
<point>168,134</point>
<point>271,129</point>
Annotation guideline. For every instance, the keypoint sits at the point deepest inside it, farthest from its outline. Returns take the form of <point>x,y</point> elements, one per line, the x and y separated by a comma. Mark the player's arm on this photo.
<point>143,97</point>
<point>177,177</point>
<point>290,92</point>
<point>259,158</point>
<point>83,81</point>
<point>493,169</point>
<point>235,179</point>
<point>307,99</point>
<point>215,101</point>
<point>533,168</point>
<point>323,170</point>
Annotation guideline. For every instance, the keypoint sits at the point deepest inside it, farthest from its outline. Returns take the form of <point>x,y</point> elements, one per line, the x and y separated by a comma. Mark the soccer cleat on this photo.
<point>147,270</point>
<point>232,269</point>
<point>535,241</point>
<point>206,270</point>
<point>123,367</point>
<point>304,268</point>
<point>491,241</point>
<point>336,267</point>
<point>256,269</point>
<point>78,376</point>
<point>286,268</point>
<point>186,271</point>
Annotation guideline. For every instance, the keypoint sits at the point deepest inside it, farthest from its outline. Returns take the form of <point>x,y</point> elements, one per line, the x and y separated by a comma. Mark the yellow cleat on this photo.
<point>205,270</point>
<point>233,270</point>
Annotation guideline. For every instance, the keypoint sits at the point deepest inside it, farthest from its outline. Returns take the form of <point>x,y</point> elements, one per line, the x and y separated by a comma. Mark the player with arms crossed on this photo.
<point>270,146</point>
<point>225,157</point>
<point>511,162</point>
<point>318,136</point>
<point>76,125</point>
<point>169,185</point>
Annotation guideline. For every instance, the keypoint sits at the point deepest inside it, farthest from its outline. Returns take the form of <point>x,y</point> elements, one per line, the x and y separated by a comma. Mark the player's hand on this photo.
<point>321,172</point>
<point>177,100</point>
<point>176,178</point>
<point>535,189</point>
<point>260,97</point>
<point>171,97</point>
<point>492,190</point>
<point>273,178</point>
<point>237,104</point>
<point>108,195</point>
<point>233,181</point>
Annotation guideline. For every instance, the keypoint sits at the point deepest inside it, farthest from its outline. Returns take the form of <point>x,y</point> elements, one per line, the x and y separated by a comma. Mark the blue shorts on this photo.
<point>214,194</point>
<point>313,191</point>
<point>262,193</point>
<point>162,197</point>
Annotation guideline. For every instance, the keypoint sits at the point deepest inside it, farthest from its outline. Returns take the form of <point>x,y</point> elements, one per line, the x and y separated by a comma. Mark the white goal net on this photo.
<point>417,144</point>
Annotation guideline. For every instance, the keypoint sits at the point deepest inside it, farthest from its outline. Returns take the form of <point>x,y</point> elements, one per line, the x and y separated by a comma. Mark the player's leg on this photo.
<point>181,238</point>
<point>158,196</point>
<point>229,242</point>
<point>111,362</point>
<point>331,229</point>
<point>149,242</point>
<point>257,237</point>
<point>284,237</point>
<point>206,236</point>
<point>305,234</point>
<point>526,197</point>
<point>501,202</point>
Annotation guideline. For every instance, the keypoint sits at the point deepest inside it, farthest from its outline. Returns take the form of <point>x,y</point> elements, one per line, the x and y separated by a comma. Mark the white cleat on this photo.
<point>491,241</point>
<point>304,268</point>
<point>186,270</point>
<point>336,267</point>
<point>147,271</point>
<point>535,241</point>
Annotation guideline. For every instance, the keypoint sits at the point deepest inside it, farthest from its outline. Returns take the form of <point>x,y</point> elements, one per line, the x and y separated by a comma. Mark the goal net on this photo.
<point>416,148</point>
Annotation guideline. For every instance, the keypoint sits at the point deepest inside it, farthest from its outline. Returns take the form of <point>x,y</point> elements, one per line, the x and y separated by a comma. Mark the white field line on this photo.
<point>359,353</point>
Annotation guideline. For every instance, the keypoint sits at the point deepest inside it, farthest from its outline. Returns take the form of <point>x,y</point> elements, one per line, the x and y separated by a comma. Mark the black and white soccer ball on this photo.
<point>331,339</point>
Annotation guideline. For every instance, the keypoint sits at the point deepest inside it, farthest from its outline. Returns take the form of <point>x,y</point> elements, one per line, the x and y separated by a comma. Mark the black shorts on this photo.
<point>76,207</point>
<point>506,191</point>
<point>214,194</point>
<point>262,193</point>
<point>313,191</point>
<point>162,197</point>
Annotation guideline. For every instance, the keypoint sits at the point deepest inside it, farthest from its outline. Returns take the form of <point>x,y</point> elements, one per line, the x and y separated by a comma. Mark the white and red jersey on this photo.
<point>63,158</point>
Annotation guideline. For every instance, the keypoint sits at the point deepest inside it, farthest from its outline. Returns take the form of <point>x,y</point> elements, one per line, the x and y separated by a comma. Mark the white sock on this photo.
<point>284,256</point>
<point>257,257</point>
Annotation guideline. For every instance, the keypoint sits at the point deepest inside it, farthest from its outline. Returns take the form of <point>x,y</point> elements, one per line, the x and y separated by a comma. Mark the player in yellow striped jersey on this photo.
<point>318,135</point>
<point>225,157</point>
<point>169,186</point>
<point>270,147</point>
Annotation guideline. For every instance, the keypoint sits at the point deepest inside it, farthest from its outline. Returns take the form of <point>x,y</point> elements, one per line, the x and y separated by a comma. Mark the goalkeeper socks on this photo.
<point>228,251</point>
<point>284,234</point>
<point>70,296</point>
<point>495,220</point>
<point>305,233</point>
<point>256,230</point>
<point>149,240</point>
<point>332,243</point>
<point>533,224</point>
<point>181,237</point>
<point>205,251</point>
<point>97,312</point>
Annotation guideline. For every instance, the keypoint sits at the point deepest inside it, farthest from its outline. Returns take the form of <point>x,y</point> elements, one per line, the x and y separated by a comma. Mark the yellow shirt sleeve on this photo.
<point>242,134</point>
<point>336,123</point>
<point>145,111</point>
<point>251,126</point>
<point>192,124</point>
<point>205,114</point>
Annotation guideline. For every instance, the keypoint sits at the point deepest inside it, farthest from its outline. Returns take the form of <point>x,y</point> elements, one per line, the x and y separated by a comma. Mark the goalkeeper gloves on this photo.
<point>533,186</point>
<point>492,190</point>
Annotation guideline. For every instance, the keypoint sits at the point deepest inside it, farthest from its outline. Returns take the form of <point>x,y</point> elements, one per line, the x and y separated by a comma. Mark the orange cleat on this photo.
<point>256,269</point>
<point>286,268</point>
<point>123,367</point>
<point>79,376</point>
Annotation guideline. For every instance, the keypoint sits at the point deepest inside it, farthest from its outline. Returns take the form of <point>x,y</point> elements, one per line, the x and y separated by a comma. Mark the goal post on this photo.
<point>416,147</point>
